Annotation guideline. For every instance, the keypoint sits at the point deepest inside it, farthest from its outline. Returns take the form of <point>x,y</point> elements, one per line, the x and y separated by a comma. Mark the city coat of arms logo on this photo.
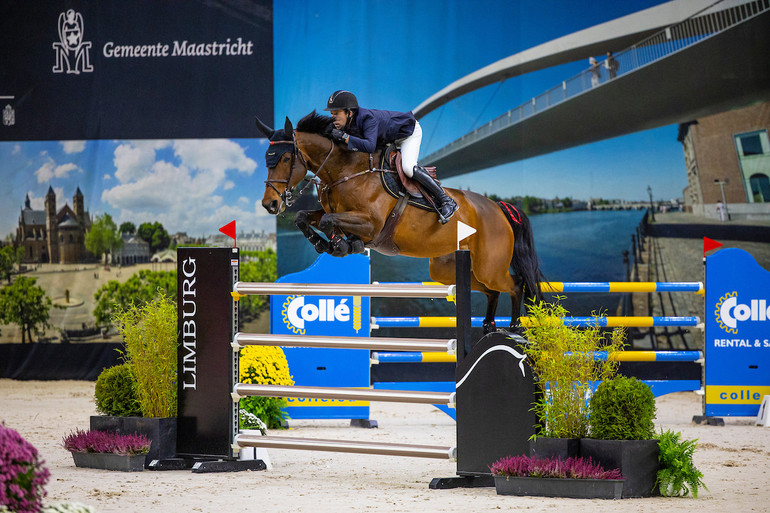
<point>72,53</point>
<point>9,116</point>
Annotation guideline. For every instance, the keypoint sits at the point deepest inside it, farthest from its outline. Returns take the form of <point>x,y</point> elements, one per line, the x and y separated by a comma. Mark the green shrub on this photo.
<point>115,392</point>
<point>562,360</point>
<point>150,337</point>
<point>677,475</point>
<point>622,409</point>
<point>264,365</point>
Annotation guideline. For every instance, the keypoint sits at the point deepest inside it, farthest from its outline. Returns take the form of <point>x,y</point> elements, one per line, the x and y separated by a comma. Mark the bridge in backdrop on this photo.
<point>680,61</point>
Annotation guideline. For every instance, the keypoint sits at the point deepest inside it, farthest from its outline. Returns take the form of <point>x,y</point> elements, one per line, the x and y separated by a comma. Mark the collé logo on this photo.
<point>298,311</point>
<point>729,312</point>
<point>72,53</point>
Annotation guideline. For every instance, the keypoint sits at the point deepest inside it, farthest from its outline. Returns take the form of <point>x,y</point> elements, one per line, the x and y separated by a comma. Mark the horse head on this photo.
<point>285,167</point>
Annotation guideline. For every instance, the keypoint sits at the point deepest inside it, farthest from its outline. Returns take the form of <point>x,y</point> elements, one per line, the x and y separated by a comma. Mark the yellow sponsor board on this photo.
<point>736,394</point>
<point>301,401</point>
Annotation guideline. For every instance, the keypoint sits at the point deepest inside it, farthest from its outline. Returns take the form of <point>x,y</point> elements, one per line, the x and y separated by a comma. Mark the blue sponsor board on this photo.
<point>344,316</point>
<point>737,333</point>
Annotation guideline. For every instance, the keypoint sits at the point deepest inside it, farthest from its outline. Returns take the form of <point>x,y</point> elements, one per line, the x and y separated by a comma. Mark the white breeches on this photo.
<point>410,150</point>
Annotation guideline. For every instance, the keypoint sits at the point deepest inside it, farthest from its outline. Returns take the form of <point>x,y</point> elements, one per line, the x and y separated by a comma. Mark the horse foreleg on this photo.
<point>355,226</point>
<point>305,221</point>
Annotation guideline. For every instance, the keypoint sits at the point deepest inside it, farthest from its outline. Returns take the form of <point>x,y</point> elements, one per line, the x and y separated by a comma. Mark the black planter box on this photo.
<point>636,459</point>
<point>109,461</point>
<point>161,431</point>
<point>546,447</point>
<point>551,487</point>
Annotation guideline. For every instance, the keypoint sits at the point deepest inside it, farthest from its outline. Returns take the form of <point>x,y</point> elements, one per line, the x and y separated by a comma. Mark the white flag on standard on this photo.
<point>463,231</point>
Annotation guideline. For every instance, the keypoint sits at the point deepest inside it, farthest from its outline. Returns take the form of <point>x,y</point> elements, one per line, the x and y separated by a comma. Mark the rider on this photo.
<point>381,127</point>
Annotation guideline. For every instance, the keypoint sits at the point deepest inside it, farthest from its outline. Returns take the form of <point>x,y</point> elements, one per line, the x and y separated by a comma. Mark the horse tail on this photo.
<point>525,262</point>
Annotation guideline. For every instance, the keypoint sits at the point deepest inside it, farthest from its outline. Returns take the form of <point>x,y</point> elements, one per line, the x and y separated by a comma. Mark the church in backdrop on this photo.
<point>51,235</point>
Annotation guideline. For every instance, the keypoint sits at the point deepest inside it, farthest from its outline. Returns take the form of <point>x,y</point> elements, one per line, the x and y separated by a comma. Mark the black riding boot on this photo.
<point>446,205</point>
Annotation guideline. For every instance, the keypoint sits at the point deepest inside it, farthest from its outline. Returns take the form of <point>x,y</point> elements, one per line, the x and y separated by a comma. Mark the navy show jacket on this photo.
<point>379,127</point>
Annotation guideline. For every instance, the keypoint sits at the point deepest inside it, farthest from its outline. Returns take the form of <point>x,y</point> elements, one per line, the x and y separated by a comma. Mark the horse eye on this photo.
<point>286,159</point>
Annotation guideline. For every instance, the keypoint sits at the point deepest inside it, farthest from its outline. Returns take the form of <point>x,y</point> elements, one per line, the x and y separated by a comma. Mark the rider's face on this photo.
<point>340,118</point>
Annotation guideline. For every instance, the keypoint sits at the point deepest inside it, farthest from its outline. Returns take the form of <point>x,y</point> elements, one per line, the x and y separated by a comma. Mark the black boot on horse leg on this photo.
<point>445,205</point>
<point>516,298</point>
<point>489,318</point>
<point>318,242</point>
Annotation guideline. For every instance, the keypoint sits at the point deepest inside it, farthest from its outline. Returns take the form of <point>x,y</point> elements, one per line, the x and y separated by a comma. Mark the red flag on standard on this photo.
<point>229,230</point>
<point>709,244</point>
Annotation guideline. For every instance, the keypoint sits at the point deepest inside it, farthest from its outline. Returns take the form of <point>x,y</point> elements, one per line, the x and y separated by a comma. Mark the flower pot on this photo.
<point>109,461</point>
<point>160,430</point>
<point>636,459</point>
<point>547,447</point>
<point>552,487</point>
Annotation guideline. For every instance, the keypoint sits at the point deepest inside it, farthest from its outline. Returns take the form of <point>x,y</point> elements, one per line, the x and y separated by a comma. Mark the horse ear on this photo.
<point>264,128</point>
<point>287,128</point>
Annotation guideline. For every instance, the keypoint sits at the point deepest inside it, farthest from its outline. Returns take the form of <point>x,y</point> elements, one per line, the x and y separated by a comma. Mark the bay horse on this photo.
<point>355,207</point>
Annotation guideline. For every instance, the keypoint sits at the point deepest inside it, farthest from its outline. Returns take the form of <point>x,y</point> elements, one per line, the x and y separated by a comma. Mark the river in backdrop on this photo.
<point>572,246</point>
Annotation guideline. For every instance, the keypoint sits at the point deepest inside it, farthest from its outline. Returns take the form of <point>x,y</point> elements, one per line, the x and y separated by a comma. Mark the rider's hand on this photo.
<point>339,135</point>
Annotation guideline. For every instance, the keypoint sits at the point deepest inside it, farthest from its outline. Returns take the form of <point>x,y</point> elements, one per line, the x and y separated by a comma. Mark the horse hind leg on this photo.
<point>489,318</point>
<point>516,297</point>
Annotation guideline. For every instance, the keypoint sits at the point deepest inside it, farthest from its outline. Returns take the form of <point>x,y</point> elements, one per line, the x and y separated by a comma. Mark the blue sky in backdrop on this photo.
<point>393,54</point>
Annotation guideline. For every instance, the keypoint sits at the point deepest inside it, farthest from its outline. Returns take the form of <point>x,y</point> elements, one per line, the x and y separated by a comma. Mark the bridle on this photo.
<point>287,196</point>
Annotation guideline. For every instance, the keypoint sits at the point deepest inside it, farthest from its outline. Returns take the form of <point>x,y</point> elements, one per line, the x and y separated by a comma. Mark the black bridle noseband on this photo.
<point>287,196</point>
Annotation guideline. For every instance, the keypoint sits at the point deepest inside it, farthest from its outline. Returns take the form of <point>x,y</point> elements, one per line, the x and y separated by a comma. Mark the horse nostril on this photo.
<point>271,207</point>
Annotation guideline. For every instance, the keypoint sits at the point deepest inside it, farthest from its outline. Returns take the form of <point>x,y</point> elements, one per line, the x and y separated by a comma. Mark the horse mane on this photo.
<point>316,124</point>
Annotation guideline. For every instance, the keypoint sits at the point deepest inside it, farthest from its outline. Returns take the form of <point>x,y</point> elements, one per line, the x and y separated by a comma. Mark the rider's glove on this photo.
<point>339,136</point>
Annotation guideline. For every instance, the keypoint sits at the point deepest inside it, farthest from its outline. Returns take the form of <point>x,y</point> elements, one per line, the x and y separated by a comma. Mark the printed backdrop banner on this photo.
<point>156,69</point>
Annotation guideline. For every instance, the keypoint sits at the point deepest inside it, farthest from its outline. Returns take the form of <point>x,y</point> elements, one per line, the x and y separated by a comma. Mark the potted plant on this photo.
<point>621,419</point>
<point>107,450</point>
<point>22,474</point>
<point>565,369</point>
<point>554,477</point>
<point>677,475</point>
<point>140,395</point>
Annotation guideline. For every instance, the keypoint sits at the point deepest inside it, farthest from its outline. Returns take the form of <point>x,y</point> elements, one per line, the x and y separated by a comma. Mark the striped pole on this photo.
<point>314,444</point>
<point>405,290</point>
<point>373,343</point>
<point>602,286</point>
<point>343,394</point>
<point>476,322</point>
<point>621,356</point>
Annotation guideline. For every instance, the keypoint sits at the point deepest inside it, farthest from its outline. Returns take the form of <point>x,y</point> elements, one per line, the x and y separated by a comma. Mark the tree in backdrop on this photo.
<point>532,205</point>
<point>128,227</point>
<point>138,290</point>
<point>25,304</point>
<point>257,266</point>
<point>9,256</point>
<point>155,235</point>
<point>103,237</point>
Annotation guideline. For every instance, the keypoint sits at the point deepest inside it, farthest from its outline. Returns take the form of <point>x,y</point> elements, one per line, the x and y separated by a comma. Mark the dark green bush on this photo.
<point>115,392</point>
<point>622,409</point>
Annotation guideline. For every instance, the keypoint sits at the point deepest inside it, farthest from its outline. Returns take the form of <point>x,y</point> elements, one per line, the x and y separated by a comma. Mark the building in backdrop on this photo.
<point>51,235</point>
<point>727,157</point>
<point>134,250</point>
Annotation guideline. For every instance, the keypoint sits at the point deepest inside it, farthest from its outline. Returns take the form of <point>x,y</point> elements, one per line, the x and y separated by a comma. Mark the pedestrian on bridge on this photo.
<point>612,65</point>
<point>596,72</point>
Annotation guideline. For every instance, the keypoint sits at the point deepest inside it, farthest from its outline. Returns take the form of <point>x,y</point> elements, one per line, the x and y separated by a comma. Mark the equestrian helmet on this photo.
<point>341,100</point>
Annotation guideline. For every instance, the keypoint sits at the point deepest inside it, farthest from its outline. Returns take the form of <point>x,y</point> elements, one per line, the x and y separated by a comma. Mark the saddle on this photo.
<point>396,183</point>
<point>406,190</point>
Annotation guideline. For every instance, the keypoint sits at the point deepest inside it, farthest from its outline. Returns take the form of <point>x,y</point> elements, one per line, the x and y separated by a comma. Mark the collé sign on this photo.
<point>142,69</point>
<point>344,316</point>
<point>737,333</point>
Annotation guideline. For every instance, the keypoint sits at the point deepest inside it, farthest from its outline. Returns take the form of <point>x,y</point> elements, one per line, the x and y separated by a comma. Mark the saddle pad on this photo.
<point>392,186</point>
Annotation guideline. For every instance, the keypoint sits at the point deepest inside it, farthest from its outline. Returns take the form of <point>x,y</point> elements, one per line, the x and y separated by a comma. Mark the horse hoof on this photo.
<point>357,246</point>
